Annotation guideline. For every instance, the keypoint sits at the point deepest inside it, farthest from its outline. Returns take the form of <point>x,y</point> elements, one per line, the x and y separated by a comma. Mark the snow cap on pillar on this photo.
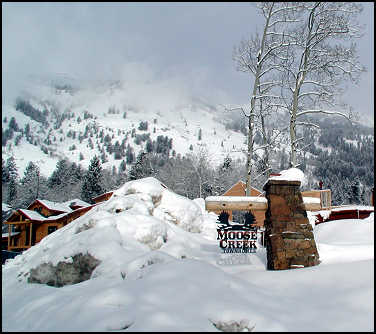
<point>291,174</point>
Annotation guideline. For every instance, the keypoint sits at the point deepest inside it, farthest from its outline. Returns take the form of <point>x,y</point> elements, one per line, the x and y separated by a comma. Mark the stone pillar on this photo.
<point>289,238</point>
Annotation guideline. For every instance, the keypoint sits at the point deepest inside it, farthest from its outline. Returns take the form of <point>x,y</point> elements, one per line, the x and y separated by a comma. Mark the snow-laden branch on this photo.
<point>310,93</point>
<point>235,108</point>
<point>270,69</point>
<point>271,83</point>
<point>283,21</point>
<point>320,111</point>
<point>308,124</point>
<point>265,95</point>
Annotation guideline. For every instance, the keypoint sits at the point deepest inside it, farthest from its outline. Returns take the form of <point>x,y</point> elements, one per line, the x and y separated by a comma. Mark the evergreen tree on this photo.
<point>122,167</point>
<point>11,169</point>
<point>60,174</point>
<point>129,154</point>
<point>142,167</point>
<point>11,194</point>
<point>30,184</point>
<point>149,146</point>
<point>92,183</point>
<point>13,124</point>
<point>5,173</point>
<point>355,192</point>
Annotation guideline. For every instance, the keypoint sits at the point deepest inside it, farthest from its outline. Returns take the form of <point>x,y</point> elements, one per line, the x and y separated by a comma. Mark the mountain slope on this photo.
<point>114,109</point>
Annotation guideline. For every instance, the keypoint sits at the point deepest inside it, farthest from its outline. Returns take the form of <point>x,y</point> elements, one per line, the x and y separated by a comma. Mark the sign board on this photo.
<point>237,238</point>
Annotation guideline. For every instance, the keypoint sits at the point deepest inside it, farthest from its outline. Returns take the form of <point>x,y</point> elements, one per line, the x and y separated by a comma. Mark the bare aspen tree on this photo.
<point>258,56</point>
<point>322,58</point>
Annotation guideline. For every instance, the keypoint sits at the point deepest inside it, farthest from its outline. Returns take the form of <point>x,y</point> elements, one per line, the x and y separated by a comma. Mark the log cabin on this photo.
<point>27,227</point>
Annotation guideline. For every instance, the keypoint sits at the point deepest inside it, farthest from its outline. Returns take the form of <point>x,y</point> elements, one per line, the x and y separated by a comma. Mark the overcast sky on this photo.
<point>189,42</point>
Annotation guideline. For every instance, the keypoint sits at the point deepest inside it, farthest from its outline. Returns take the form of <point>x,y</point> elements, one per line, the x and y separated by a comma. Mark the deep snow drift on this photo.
<point>161,269</point>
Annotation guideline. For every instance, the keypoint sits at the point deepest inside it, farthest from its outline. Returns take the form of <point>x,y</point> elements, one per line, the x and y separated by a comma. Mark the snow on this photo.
<point>291,174</point>
<point>55,206</point>
<point>5,207</point>
<point>354,207</point>
<point>157,275</point>
<point>32,214</point>
<point>311,200</point>
<point>77,202</point>
<point>5,235</point>
<point>258,199</point>
<point>177,118</point>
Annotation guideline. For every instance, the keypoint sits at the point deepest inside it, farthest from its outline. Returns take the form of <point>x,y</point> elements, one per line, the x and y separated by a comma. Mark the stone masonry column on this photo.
<point>289,238</point>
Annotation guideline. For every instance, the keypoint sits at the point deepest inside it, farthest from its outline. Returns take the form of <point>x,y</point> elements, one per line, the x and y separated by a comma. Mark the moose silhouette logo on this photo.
<point>237,238</point>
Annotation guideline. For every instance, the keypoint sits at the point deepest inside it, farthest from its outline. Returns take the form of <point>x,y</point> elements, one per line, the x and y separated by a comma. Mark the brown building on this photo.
<point>27,227</point>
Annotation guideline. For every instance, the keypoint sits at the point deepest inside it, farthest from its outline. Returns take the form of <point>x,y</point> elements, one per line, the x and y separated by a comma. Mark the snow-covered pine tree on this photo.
<point>11,169</point>
<point>11,194</point>
<point>58,176</point>
<point>5,174</point>
<point>30,185</point>
<point>92,183</point>
<point>142,167</point>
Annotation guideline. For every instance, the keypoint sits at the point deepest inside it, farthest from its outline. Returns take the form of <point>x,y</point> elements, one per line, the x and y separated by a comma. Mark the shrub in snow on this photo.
<point>79,269</point>
<point>233,326</point>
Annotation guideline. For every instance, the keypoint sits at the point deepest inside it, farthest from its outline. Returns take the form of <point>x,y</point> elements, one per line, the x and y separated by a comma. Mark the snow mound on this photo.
<point>352,239</point>
<point>141,216</point>
<point>148,185</point>
<point>291,174</point>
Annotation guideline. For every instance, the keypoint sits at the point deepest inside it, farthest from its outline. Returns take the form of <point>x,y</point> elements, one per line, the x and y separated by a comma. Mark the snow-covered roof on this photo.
<point>32,214</point>
<point>77,202</point>
<point>63,207</point>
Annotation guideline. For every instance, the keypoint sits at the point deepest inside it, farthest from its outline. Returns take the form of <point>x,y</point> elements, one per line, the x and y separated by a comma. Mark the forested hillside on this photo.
<point>339,154</point>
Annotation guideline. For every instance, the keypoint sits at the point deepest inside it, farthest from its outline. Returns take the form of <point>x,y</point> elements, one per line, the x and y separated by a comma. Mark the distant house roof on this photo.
<point>60,207</point>
<point>244,186</point>
<point>35,216</point>
<point>76,202</point>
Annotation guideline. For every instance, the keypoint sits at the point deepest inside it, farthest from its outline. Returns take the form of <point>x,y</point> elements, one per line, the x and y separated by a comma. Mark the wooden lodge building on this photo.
<point>27,227</point>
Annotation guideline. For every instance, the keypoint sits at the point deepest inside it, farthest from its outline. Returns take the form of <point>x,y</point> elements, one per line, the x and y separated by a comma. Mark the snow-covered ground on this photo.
<point>161,269</point>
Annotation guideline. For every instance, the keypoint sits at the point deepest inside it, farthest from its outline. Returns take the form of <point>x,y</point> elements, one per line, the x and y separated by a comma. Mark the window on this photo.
<point>27,241</point>
<point>325,199</point>
<point>51,229</point>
